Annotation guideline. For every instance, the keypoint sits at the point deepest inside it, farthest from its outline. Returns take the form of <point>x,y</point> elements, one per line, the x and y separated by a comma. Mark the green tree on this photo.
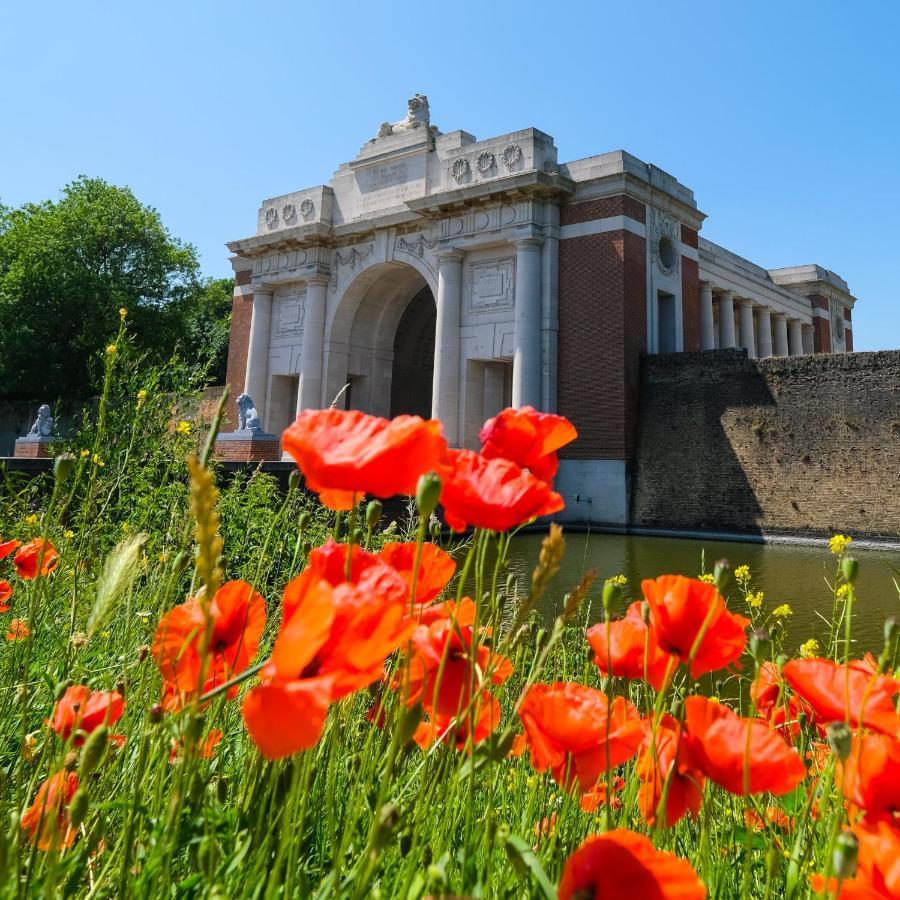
<point>68,267</point>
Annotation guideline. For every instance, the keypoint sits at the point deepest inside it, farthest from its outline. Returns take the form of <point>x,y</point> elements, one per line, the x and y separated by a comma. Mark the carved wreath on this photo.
<point>839,324</point>
<point>288,213</point>
<point>271,216</point>
<point>460,168</point>
<point>665,226</point>
<point>485,161</point>
<point>512,153</point>
<point>307,208</point>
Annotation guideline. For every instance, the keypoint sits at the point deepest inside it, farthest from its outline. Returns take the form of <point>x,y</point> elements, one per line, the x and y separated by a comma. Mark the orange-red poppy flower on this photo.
<point>774,816</point>
<point>595,798</point>
<point>46,821</point>
<point>462,613</point>
<point>238,617</point>
<point>659,754</point>
<point>447,662</point>
<point>8,547</point>
<point>34,554</point>
<point>870,777</point>
<point>6,592</point>
<point>334,642</point>
<point>18,630</point>
<point>204,749</point>
<point>572,731</point>
<point>494,494</point>
<point>528,438</point>
<point>80,711</point>
<point>852,693</point>
<point>741,755</point>
<point>622,865</point>
<point>633,650</point>
<point>776,704</point>
<point>690,620</point>
<point>436,567</point>
<point>465,730</point>
<point>346,454</point>
<point>878,872</point>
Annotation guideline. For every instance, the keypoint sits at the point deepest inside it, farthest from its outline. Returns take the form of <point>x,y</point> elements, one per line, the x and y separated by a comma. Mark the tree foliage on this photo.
<point>68,267</point>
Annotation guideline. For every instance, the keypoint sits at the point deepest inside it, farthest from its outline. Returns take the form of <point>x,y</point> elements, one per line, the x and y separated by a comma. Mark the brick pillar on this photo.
<point>821,323</point>
<point>848,330</point>
<point>238,343</point>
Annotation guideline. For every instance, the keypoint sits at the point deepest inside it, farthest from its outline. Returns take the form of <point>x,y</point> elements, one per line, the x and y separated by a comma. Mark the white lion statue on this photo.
<point>417,116</point>
<point>43,424</point>
<point>248,417</point>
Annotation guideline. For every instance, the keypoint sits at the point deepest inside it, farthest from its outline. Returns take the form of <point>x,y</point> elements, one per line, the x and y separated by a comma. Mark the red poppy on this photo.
<point>436,567</point>
<point>6,592</point>
<point>878,872</point>
<point>528,438</point>
<point>462,613</point>
<point>205,749</point>
<point>852,693</point>
<point>18,630</point>
<point>494,494</point>
<point>334,642</point>
<point>741,755</point>
<point>633,650</point>
<point>594,799</point>
<point>870,778</point>
<point>622,865</point>
<point>571,730</point>
<point>776,705</point>
<point>686,612</point>
<point>81,711</point>
<point>7,547</point>
<point>685,781</point>
<point>774,816</point>
<point>476,727</point>
<point>238,615</point>
<point>345,454</point>
<point>33,553</point>
<point>46,821</point>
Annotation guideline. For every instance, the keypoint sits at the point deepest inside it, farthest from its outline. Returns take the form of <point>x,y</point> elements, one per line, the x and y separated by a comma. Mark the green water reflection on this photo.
<point>786,573</point>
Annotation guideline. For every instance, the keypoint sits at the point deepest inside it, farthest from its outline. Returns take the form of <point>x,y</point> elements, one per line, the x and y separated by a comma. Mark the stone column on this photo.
<point>526,384</point>
<point>748,339</point>
<point>781,335</point>
<point>795,337</point>
<point>764,332</point>
<point>312,350</point>
<point>707,329</point>
<point>726,320</point>
<point>256,381</point>
<point>445,385</point>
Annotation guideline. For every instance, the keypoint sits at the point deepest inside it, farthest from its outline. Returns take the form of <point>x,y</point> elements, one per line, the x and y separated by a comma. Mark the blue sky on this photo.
<point>782,117</point>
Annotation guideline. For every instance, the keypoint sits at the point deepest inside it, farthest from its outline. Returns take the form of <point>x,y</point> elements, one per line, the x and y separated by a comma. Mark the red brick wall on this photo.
<point>589,210</point>
<point>602,333</point>
<point>821,327</point>
<point>848,331</point>
<point>238,345</point>
<point>690,237</point>
<point>690,301</point>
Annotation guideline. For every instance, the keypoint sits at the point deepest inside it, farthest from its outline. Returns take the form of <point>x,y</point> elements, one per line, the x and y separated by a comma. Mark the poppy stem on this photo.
<point>227,685</point>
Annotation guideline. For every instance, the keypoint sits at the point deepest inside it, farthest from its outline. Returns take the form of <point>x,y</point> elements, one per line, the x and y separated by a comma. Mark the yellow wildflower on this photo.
<point>111,350</point>
<point>742,574</point>
<point>783,611</point>
<point>839,544</point>
<point>707,578</point>
<point>31,520</point>
<point>810,648</point>
<point>620,580</point>
<point>95,459</point>
<point>141,396</point>
<point>85,453</point>
<point>122,312</point>
<point>126,527</point>
<point>68,534</point>
<point>183,428</point>
<point>755,599</point>
<point>843,591</point>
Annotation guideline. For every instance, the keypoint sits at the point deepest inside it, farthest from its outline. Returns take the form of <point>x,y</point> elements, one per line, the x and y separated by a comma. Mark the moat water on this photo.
<point>794,574</point>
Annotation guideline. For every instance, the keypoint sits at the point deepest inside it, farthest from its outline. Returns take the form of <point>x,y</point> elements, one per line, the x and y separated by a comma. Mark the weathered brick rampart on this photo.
<point>789,445</point>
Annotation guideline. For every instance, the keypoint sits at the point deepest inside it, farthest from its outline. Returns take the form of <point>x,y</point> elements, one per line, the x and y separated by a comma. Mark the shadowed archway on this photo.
<point>413,366</point>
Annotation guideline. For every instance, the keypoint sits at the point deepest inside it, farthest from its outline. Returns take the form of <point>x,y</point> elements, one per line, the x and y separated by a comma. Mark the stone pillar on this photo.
<point>309,392</point>
<point>526,384</point>
<point>795,337</point>
<point>256,381</point>
<point>707,329</point>
<point>445,385</point>
<point>764,332</point>
<point>781,335</point>
<point>726,320</point>
<point>748,339</point>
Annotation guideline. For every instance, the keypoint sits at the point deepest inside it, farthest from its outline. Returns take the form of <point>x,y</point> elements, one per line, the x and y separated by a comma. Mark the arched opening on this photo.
<point>413,364</point>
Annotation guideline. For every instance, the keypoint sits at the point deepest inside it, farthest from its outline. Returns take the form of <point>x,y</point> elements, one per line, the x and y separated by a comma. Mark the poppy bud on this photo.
<point>612,595</point>
<point>307,548</point>
<point>194,729</point>
<point>62,467</point>
<point>840,739</point>
<point>510,584</point>
<point>435,529</point>
<point>71,760</point>
<point>304,520</point>
<point>387,820</point>
<point>358,535</point>
<point>410,723</point>
<point>182,558</point>
<point>760,641</point>
<point>846,852</point>
<point>801,719</point>
<point>428,492</point>
<point>645,612</point>
<point>78,807</point>
<point>61,688</point>
<point>222,789</point>
<point>143,652</point>
<point>293,480</point>
<point>890,629</point>
<point>92,753</point>
<point>156,714</point>
<point>720,572</point>
<point>850,569</point>
<point>373,513</point>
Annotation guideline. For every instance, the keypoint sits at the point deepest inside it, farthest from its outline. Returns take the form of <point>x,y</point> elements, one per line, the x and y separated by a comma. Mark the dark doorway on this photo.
<point>414,357</point>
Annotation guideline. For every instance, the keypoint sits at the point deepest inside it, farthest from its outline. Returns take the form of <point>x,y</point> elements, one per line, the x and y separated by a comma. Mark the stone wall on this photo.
<point>786,445</point>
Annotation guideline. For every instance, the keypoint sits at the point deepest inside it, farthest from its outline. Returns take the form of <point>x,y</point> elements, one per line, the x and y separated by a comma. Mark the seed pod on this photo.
<point>61,688</point>
<point>612,596</point>
<point>78,807</point>
<point>304,520</point>
<point>428,493</point>
<point>62,467</point>
<point>179,564</point>
<point>846,853</point>
<point>720,572</point>
<point>294,480</point>
<point>849,569</point>
<point>387,820</point>
<point>373,513</point>
<point>840,740</point>
<point>93,750</point>
<point>435,529</point>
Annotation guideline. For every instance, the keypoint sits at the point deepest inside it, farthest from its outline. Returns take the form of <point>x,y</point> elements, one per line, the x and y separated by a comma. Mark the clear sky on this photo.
<point>782,117</point>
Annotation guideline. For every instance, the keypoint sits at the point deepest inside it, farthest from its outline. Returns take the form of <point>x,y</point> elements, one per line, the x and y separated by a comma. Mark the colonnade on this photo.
<point>758,329</point>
